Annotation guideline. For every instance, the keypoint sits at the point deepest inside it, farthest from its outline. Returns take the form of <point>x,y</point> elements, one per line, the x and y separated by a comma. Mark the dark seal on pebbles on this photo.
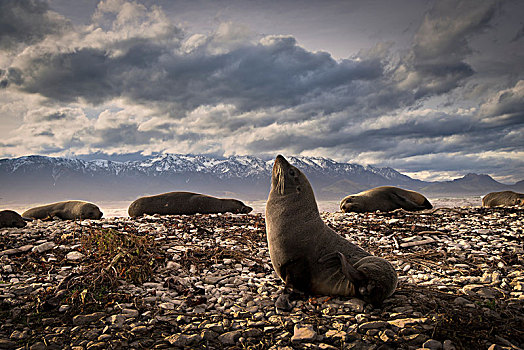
<point>309,256</point>
<point>185,203</point>
<point>9,218</point>
<point>504,198</point>
<point>68,210</point>
<point>385,198</point>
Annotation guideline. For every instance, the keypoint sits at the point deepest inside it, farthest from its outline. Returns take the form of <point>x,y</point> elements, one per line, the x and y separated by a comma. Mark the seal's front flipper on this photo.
<point>296,275</point>
<point>290,292</point>
<point>349,271</point>
<point>337,258</point>
<point>54,214</point>
<point>283,302</point>
<point>408,204</point>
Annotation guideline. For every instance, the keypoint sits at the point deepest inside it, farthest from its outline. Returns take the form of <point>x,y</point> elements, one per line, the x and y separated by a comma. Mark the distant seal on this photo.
<point>185,203</point>
<point>309,256</point>
<point>68,210</point>
<point>385,198</point>
<point>506,198</point>
<point>9,218</point>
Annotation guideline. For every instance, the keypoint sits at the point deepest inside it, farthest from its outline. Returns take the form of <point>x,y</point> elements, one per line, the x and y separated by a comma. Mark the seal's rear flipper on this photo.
<point>408,204</point>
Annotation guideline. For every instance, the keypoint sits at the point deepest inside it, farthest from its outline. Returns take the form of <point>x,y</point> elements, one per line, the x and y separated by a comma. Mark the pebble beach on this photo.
<point>206,281</point>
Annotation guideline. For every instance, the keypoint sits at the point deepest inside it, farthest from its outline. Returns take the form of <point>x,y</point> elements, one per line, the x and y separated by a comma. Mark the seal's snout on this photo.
<point>280,160</point>
<point>278,175</point>
<point>346,205</point>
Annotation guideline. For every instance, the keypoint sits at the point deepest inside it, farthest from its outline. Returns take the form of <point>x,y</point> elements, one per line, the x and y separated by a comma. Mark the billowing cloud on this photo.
<point>436,63</point>
<point>131,81</point>
<point>505,104</point>
<point>27,22</point>
<point>273,72</point>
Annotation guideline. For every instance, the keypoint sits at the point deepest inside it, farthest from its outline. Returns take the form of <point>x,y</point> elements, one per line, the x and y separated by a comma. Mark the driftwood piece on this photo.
<point>417,243</point>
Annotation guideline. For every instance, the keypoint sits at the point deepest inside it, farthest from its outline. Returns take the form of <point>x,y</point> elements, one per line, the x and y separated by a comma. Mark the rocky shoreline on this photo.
<point>206,281</point>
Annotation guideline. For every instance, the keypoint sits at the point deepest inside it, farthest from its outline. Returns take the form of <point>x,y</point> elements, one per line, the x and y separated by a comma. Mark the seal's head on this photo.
<point>288,180</point>
<point>352,204</point>
<point>91,211</point>
<point>380,279</point>
<point>9,218</point>
<point>241,208</point>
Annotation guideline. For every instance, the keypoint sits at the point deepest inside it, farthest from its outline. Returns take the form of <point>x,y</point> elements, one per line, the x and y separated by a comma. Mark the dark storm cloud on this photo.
<point>519,34</point>
<point>253,76</point>
<point>10,75</point>
<point>436,63</point>
<point>67,77</point>
<point>457,162</point>
<point>401,137</point>
<point>26,21</point>
<point>54,116</point>
<point>230,93</point>
<point>45,133</point>
<point>124,134</point>
<point>274,73</point>
<point>447,27</point>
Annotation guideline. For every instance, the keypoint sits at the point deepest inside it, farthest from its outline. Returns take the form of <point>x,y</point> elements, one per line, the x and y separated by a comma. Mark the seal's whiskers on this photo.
<point>280,180</point>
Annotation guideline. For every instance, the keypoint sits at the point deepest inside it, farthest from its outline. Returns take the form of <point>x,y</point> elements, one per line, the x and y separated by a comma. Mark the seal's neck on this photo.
<point>301,207</point>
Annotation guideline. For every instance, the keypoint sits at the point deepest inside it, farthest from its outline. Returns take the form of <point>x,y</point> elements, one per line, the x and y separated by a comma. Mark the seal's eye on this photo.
<point>291,172</point>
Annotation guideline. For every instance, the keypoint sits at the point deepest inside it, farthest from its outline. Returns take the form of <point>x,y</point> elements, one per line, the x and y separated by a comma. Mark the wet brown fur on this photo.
<point>9,218</point>
<point>385,198</point>
<point>68,210</point>
<point>185,203</point>
<point>504,198</point>
<point>299,243</point>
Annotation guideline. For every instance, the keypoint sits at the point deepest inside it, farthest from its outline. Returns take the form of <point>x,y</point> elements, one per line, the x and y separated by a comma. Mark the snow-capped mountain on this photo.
<point>231,167</point>
<point>40,178</point>
<point>154,166</point>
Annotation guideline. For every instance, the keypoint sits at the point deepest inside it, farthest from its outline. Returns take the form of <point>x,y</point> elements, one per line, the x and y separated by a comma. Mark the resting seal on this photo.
<point>68,210</point>
<point>309,256</point>
<point>506,198</point>
<point>385,198</point>
<point>185,203</point>
<point>9,218</point>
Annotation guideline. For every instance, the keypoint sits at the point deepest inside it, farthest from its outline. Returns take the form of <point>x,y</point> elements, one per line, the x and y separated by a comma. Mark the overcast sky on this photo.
<point>434,89</point>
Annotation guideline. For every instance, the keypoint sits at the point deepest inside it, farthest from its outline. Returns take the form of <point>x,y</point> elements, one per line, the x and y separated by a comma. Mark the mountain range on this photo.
<point>41,179</point>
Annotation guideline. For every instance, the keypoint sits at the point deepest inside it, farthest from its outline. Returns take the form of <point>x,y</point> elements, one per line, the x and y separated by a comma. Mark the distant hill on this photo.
<point>518,187</point>
<point>471,183</point>
<point>42,179</point>
<point>343,186</point>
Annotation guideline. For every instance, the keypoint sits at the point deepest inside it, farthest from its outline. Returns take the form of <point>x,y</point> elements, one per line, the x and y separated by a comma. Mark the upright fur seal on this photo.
<point>385,198</point>
<point>9,218</point>
<point>506,198</point>
<point>68,210</point>
<point>185,203</point>
<point>309,256</point>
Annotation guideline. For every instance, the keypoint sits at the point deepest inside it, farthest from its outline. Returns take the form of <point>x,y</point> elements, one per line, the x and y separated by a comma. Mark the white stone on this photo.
<point>44,247</point>
<point>304,333</point>
<point>75,256</point>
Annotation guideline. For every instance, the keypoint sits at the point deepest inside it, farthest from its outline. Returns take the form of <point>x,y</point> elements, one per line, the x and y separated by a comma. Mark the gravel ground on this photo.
<point>206,281</point>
